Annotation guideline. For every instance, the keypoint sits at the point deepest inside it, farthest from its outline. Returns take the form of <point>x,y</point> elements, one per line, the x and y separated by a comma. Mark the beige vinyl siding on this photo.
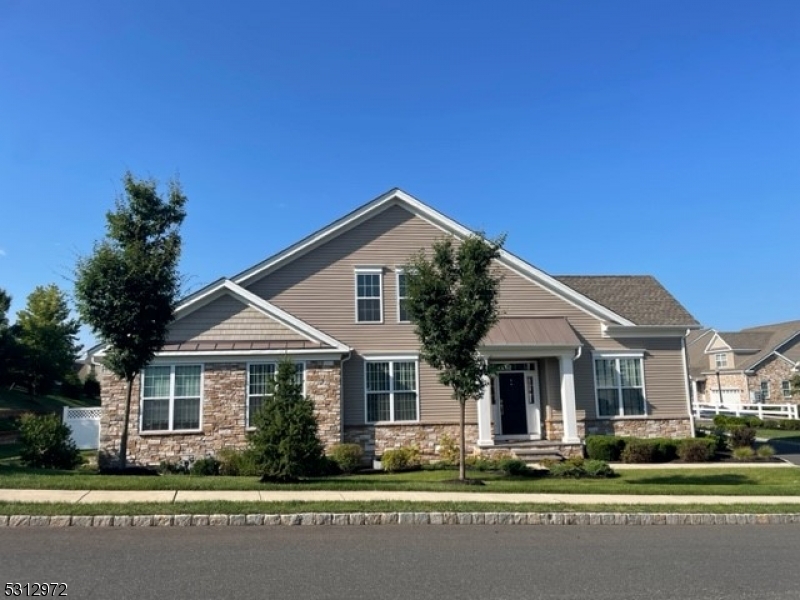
<point>719,344</point>
<point>227,319</point>
<point>319,288</point>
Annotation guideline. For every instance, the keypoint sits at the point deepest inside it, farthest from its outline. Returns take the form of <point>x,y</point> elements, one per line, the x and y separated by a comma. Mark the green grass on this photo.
<point>727,481</point>
<point>244,508</point>
<point>779,434</point>
<point>13,401</point>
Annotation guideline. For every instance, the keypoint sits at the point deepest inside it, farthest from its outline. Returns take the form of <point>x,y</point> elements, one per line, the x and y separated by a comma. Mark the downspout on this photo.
<point>578,353</point>
<point>341,394</point>
<point>687,381</point>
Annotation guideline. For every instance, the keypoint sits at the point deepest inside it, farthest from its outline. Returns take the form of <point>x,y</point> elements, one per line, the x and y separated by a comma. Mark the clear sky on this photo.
<point>658,137</point>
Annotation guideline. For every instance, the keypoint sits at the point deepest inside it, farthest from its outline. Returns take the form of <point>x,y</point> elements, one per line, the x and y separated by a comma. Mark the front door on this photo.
<point>513,409</point>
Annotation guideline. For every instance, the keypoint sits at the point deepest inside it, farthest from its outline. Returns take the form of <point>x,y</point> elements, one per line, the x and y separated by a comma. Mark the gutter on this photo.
<point>687,381</point>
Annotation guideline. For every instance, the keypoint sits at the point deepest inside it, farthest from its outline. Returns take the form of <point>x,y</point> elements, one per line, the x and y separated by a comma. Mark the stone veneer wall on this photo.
<point>222,415</point>
<point>644,428</point>
<point>376,439</point>
<point>775,370</point>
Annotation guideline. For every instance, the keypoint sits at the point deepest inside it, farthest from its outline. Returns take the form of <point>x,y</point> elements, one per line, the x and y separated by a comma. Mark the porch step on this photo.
<point>536,454</point>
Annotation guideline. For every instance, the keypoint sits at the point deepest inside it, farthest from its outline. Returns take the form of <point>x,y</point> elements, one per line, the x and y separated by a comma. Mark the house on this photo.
<point>743,367</point>
<point>575,354</point>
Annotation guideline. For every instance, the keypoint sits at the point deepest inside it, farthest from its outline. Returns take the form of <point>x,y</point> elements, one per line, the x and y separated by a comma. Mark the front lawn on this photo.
<point>783,435</point>
<point>727,481</point>
<point>14,401</point>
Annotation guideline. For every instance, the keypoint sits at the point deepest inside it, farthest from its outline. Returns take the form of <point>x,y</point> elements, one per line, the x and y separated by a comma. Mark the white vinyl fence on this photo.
<point>762,411</point>
<point>85,426</point>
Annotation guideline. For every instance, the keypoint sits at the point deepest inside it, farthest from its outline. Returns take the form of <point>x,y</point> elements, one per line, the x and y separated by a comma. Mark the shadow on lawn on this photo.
<point>716,479</point>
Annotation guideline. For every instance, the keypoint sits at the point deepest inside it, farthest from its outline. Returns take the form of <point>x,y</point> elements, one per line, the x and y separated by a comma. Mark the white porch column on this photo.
<point>568,412</point>
<point>485,416</point>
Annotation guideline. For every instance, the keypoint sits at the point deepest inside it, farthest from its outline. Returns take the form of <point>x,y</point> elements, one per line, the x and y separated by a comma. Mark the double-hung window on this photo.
<point>402,298</point>
<point>764,390</point>
<point>721,360</point>
<point>619,386</point>
<point>786,388</point>
<point>171,397</point>
<point>369,295</point>
<point>392,393</point>
<point>260,379</point>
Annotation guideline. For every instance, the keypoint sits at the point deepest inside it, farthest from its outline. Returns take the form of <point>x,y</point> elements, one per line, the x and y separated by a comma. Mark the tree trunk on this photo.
<point>462,454</point>
<point>123,442</point>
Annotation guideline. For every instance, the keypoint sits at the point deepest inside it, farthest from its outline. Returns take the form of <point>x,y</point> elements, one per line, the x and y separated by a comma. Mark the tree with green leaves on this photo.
<point>46,336</point>
<point>128,288</point>
<point>7,342</point>
<point>452,301</point>
<point>285,440</point>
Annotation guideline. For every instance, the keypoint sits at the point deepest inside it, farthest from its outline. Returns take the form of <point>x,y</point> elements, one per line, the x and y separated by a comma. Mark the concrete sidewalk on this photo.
<point>98,496</point>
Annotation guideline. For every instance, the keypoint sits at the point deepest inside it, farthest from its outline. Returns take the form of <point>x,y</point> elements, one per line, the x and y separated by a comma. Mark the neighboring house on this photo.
<point>575,355</point>
<point>87,364</point>
<point>743,367</point>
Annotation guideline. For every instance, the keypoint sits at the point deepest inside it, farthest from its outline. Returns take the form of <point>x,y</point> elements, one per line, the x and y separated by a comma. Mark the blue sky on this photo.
<point>658,137</point>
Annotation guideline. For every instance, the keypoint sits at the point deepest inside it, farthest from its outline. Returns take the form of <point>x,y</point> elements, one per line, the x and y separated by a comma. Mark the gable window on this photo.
<point>259,385</point>
<point>619,386</point>
<point>171,397</point>
<point>786,388</point>
<point>765,390</point>
<point>402,298</point>
<point>391,390</point>
<point>369,295</point>
<point>721,360</point>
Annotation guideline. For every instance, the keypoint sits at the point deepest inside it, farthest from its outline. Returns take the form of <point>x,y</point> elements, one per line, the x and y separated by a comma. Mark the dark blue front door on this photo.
<point>514,415</point>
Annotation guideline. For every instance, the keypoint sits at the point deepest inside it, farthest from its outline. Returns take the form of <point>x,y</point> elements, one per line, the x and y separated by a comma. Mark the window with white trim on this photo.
<point>721,360</point>
<point>619,386</point>
<point>369,295</point>
<point>391,390</point>
<point>786,388</point>
<point>765,390</point>
<point>260,378</point>
<point>402,298</point>
<point>171,397</point>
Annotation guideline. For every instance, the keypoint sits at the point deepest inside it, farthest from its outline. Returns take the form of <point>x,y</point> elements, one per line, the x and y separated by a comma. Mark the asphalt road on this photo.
<point>397,562</point>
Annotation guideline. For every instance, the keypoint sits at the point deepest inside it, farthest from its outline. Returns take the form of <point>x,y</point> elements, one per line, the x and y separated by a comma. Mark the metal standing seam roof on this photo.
<point>639,298</point>
<point>229,346</point>
<point>532,331</point>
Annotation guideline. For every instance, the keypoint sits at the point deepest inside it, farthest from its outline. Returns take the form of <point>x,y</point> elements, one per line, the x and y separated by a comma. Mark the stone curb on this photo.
<point>397,518</point>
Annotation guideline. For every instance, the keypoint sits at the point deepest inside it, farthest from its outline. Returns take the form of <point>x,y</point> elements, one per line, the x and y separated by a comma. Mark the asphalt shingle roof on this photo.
<point>639,298</point>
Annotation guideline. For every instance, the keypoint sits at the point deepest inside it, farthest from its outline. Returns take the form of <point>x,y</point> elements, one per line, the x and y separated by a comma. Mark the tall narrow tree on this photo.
<point>7,343</point>
<point>46,336</point>
<point>452,301</point>
<point>128,288</point>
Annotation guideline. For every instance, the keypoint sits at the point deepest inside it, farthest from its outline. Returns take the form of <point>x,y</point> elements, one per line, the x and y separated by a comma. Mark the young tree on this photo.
<point>46,339</point>
<point>452,301</point>
<point>128,288</point>
<point>285,440</point>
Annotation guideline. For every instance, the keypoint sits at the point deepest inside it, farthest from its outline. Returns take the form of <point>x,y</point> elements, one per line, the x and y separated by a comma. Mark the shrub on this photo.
<point>179,467</point>
<point>71,386</point>
<point>666,449</point>
<point>640,451</point>
<point>481,463</point>
<point>46,443</point>
<point>604,447</point>
<point>285,440</point>
<point>449,451</point>
<point>513,467</point>
<point>741,436</point>
<point>743,453</point>
<point>401,459</point>
<point>347,457</point>
<point>598,469</point>
<point>208,466</point>
<point>238,463</point>
<point>697,449</point>
<point>91,387</point>
<point>765,451</point>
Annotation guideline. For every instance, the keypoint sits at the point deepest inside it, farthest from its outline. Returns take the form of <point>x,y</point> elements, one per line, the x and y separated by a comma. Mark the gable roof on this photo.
<point>695,347</point>
<point>639,298</point>
<point>674,313</point>
<point>754,345</point>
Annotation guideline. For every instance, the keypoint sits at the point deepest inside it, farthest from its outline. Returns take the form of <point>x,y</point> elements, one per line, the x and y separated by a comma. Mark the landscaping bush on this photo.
<point>728,422</point>
<point>401,459</point>
<point>741,437</point>
<point>449,451</point>
<point>743,453</point>
<point>208,466</point>
<point>238,463</point>
<point>604,447</point>
<point>91,387</point>
<point>46,443</point>
<point>178,467</point>
<point>598,469</point>
<point>481,463</point>
<point>765,451</point>
<point>783,424</point>
<point>697,449</point>
<point>71,386</point>
<point>666,449</point>
<point>347,457</point>
<point>513,467</point>
<point>639,450</point>
<point>577,468</point>
<point>285,439</point>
